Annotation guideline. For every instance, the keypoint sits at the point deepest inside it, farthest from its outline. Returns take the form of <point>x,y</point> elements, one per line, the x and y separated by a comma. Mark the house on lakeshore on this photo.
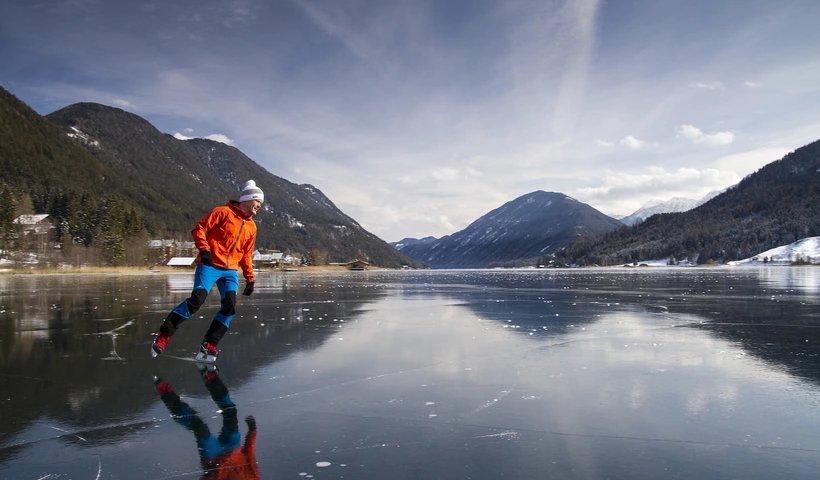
<point>163,250</point>
<point>172,248</point>
<point>40,224</point>
<point>164,246</point>
<point>267,258</point>
<point>357,265</point>
<point>35,232</point>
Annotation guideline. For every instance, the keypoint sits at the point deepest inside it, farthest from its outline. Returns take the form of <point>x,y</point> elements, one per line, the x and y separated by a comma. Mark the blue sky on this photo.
<point>417,117</point>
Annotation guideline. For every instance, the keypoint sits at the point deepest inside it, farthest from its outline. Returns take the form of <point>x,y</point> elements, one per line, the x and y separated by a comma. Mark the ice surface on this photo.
<point>660,373</point>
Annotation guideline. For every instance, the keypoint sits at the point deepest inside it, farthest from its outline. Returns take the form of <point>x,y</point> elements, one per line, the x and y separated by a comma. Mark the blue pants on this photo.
<point>227,282</point>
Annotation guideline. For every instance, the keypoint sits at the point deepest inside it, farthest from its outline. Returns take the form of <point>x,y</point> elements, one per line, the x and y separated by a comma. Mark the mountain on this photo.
<point>412,242</point>
<point>89,151</point>
<point>708,197</point>
<point>35,153</point>
<point>655,206</point>
<point>774,206</point>
<point>152,170</point>
<point>528,227</point>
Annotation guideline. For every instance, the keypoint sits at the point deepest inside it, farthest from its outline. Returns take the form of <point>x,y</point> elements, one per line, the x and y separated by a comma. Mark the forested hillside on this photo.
<point>42,170</point>
<point>108,177</point>
<point>774,206</point>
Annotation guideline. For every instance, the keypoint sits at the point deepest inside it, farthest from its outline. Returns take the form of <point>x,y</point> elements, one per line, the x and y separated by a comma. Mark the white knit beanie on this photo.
<point>251,192</point>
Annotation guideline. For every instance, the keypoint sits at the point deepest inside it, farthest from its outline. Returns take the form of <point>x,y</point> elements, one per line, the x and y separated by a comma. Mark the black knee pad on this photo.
<point>196,300</point>
<point>228,304</point>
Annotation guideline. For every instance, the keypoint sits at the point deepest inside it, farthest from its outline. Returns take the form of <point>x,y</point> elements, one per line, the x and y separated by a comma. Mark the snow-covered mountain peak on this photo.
<point>655,206</point>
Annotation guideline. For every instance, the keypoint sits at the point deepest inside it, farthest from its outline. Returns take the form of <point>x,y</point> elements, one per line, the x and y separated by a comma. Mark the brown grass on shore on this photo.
<point>74,271</point>
<point>160,269</point>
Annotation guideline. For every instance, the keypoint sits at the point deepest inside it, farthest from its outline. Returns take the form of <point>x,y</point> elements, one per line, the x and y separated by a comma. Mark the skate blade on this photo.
<point>206,367</point>
<point>204,358</point>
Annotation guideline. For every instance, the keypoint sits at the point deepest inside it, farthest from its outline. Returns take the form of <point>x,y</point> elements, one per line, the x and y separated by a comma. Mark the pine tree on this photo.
<point>112,223</point>
<point>81,224</point>
<point>7,207</point>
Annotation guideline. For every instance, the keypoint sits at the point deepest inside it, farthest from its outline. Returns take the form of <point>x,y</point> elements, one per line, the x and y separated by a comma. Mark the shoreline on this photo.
<point>165,269</point>
<point>339,268</point>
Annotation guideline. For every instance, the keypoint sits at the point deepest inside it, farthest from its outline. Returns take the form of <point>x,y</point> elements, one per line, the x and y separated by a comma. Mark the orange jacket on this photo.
<point>239,464</point>
<point>230,236</point>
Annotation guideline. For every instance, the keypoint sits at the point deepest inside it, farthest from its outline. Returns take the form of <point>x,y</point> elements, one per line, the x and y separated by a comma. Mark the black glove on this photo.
<point>205,258</point>
<point>248,289</point>
<point>251,422</point>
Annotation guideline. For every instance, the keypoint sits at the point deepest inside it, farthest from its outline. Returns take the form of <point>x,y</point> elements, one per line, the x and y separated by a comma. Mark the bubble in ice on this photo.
<point>322,464</point>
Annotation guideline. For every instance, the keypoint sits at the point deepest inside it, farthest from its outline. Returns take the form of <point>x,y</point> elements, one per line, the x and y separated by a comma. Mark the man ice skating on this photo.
<point>225,238</point>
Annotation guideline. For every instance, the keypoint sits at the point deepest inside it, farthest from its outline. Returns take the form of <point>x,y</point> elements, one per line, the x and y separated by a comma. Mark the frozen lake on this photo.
<point>581,374</point>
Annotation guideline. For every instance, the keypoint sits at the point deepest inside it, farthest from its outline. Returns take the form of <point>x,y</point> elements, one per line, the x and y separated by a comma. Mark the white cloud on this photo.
<point>445,174</point>
<point>696,135</point>
<point>218,137</point>
<point>707,86</point>
<point>752,160</point>
<point>751,84</point>
<point>633,143</point>
<point>446,223</point>
<point>594,192</point>
<point>604,143</point>
<point>627,191</point>
<point>122,103</point>
<point>474,173</point>
<point>189,130</point>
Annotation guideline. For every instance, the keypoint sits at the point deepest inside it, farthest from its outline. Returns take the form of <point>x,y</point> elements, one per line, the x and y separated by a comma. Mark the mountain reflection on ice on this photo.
<point>599,373</point>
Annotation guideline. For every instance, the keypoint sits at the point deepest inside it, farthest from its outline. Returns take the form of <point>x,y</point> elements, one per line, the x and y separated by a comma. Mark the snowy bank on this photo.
<point>804,250</point>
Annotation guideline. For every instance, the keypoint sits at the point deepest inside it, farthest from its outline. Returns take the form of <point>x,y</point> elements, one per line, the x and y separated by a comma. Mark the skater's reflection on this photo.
<point>223,456</point>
